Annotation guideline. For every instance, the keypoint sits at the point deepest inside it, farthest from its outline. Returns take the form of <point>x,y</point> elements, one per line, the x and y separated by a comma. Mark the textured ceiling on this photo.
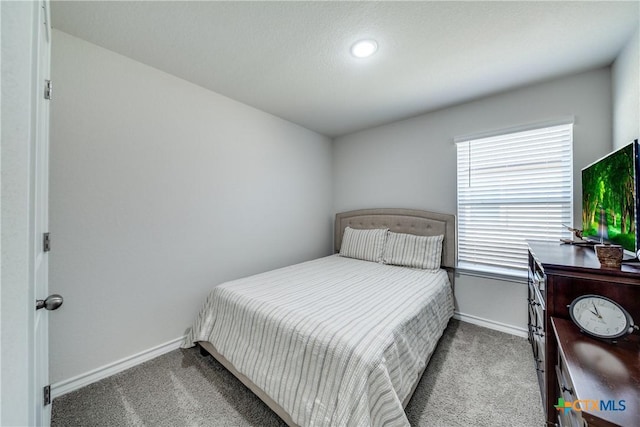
<point>292,59</point>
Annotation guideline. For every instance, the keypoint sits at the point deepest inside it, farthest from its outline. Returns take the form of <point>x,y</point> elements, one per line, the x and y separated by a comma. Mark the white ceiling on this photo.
<point>292,59</point>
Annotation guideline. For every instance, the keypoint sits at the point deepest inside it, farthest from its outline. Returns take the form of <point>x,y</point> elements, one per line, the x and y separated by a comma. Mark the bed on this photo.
<point>336,341</point>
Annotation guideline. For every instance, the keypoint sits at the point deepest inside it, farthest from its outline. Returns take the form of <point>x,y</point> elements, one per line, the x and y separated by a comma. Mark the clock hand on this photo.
<point>596,309</point>
<point>595,314</point>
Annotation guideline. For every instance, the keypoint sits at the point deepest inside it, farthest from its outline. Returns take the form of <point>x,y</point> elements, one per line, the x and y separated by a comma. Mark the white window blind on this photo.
<point>511,188</point>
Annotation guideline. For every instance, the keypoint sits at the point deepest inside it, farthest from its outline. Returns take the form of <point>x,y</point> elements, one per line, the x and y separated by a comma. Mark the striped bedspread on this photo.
<point>334,341</point>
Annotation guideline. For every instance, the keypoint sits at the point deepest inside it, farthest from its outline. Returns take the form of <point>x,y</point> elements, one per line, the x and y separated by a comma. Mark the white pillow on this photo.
<point>413,251</point>
<point>363,244</point>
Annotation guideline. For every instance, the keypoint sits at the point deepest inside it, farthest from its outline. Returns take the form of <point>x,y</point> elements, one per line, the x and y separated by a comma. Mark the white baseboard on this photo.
<point>63,387</point>
<point>492,324</point>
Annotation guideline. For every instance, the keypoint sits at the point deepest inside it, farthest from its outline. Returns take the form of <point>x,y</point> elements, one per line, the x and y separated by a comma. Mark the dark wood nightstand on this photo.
<point>604,377</point>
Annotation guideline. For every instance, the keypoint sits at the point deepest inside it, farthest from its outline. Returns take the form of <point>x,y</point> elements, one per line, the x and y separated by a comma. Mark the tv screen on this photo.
<point>609,202</point>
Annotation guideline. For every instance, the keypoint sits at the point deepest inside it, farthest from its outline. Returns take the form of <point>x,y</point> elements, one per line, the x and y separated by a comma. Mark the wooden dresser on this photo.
<point>558,274</point>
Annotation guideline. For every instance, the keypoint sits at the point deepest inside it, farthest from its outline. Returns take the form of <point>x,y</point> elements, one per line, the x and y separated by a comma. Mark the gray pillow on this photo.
<point>363,244</point>
<point>413,251</point>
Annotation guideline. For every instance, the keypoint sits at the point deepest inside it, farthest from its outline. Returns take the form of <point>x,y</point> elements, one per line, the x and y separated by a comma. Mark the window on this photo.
<point>513,187</point>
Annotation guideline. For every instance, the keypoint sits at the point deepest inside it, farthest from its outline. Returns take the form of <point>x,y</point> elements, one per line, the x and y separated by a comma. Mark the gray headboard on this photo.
<point>412,221</point>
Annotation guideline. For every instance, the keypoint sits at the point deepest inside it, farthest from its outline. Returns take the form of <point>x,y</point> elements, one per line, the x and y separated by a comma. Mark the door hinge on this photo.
<point>46,242</point>
<point>46,394</point>
<point>48,88</point>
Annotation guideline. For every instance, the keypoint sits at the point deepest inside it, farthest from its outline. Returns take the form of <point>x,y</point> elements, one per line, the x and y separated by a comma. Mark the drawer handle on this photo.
<point>568,390</point>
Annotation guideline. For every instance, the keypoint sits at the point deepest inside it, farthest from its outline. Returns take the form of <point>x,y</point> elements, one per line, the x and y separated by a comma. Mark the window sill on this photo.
<point>505,274</point>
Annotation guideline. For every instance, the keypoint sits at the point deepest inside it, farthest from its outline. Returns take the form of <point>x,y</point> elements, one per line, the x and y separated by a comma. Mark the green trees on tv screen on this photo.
<point>608,205</point>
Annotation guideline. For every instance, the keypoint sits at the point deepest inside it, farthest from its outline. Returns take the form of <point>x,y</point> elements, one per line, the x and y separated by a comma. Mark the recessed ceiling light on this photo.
<point>364,48</point>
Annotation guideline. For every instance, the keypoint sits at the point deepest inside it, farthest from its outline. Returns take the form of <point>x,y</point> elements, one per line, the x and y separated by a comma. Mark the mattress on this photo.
<point>334,341</point>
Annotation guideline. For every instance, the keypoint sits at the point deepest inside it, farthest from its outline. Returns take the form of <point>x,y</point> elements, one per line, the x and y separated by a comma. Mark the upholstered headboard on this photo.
<point>421,223</point>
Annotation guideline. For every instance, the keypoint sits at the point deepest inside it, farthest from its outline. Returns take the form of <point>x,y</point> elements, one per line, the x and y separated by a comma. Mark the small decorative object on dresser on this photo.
<point>577,233</point>
<point>601,317</point>
<point>610,256</point>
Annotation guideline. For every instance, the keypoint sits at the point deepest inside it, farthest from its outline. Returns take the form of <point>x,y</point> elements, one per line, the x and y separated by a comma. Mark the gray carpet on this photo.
<point>476,377</point>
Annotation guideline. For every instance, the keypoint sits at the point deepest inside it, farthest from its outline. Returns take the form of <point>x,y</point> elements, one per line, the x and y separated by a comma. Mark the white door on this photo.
<point>40,218</point>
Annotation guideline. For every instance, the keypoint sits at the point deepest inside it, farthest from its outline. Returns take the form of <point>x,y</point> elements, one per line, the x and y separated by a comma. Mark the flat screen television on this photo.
<point>610,199</point>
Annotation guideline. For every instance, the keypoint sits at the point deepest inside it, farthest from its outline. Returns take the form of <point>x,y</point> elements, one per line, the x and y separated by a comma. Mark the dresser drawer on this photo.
<point>536,327</point>
<point>536,310</point>
<point>565,389</point>
<point>538,344</point>
<point>538,301</point>
<point>538,279</point>
<point>533,323</point>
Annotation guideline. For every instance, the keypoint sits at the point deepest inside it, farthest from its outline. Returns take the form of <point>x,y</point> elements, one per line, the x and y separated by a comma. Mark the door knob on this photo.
<point>53,302</point>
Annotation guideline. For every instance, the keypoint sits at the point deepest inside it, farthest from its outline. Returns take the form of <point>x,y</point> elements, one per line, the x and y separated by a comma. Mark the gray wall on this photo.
<point>626,93</point>
<point>412,164</point>
<point>160,190</point>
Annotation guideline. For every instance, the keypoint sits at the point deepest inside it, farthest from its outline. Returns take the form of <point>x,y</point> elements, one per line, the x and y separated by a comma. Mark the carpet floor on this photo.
<point>476,377</point>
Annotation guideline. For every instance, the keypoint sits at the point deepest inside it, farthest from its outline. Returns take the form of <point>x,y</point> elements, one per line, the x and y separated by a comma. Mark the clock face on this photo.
<point>600,316</point>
